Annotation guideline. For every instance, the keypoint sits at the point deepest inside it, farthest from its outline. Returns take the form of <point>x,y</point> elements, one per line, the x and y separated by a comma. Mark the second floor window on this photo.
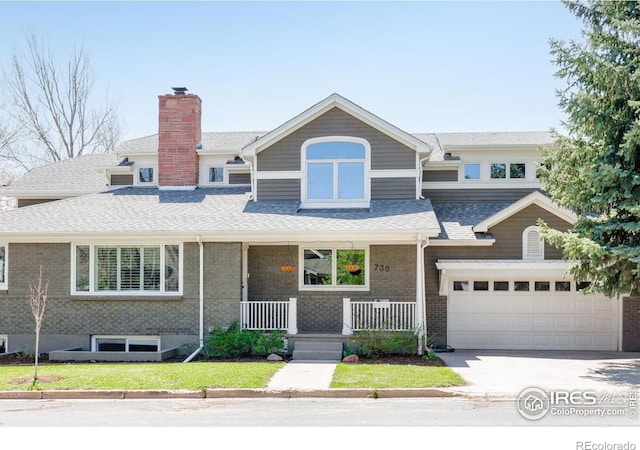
<point>336,172</point>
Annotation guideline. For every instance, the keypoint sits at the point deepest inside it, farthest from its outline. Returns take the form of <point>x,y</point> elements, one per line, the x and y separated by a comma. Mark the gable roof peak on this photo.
<point>333,100</point>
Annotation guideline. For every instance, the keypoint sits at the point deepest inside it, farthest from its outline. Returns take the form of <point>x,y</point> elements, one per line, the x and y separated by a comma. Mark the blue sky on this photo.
<point>423,66</point>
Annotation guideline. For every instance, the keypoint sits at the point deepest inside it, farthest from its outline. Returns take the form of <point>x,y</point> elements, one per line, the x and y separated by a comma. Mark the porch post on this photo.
<point>347,317</point>
<point>293,316</point>
<point>420,323</point>
<point>245,272</point>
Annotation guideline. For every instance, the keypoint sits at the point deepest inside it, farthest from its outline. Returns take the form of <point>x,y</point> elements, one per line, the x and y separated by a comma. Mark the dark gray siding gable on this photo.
<point>239,178</point>
<point>393,188</point>
<point>505,195</point>
<point>386,152</point>
<point>122,180</point>
<point>439,175</point>
<point>278,190</point>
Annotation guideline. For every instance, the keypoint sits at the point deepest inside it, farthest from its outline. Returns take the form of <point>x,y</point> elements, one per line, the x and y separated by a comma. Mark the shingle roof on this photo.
<point>76,176</point>
<point>223,142</point>
<point>440,141</point>
<point>146,211</point>
<point>457,219</point>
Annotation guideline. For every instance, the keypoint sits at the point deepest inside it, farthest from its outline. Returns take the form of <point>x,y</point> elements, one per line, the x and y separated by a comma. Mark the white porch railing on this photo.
<point>378,315</point>
<point>269,315</point>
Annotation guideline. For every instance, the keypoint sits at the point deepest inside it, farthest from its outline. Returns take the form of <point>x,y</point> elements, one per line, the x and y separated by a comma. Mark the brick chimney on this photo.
<point>179,133</point>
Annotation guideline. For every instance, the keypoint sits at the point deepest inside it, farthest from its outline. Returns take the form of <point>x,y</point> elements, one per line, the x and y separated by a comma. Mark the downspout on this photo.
<point>201,323</point>
<point>253,179</point>
<point>420,303</point>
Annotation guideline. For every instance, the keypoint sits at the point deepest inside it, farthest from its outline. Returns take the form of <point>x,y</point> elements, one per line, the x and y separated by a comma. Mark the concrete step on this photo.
<point>312,349</point>
<point>317,355</point>
<point>318,345</point>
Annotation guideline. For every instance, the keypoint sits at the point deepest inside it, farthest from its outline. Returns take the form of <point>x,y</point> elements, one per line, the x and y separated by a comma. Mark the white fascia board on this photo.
<point>51,194</point>
<point>535,198</point>
<point>439,165</point>
<point>408,236</point>
<point>461,242</point>
<point>335,100</point>
<point>465,184</point>
<point>485,147</point>
<point>506,270</point>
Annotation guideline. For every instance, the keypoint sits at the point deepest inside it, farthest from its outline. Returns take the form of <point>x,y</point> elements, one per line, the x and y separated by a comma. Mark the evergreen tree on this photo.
<point>595,169</point>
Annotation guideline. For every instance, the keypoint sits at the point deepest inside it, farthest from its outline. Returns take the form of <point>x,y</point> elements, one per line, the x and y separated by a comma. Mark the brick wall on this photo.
<point>631,324</point>
<point>179,132</point>
<point>72,319</point>
<point>321,312</point>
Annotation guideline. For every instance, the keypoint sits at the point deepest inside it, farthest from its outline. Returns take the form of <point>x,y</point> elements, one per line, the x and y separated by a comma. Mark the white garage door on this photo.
<point>541,315</point>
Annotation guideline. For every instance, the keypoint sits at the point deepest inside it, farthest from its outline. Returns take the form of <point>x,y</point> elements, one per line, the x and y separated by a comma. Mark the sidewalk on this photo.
<point>303,375</point>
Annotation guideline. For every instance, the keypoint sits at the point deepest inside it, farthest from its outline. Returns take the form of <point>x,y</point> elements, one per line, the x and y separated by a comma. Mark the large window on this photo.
<point>125,344</point>
<point>336,171</point>
<point>3,266</point>
<point>334,268</point>
<point>127,269</point>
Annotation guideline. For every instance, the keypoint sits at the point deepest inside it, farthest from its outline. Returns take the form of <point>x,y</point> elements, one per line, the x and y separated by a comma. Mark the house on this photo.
<point>333,222</point>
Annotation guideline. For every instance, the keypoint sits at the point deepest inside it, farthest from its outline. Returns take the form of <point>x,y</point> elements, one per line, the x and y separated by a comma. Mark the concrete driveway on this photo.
<point>507,373</point>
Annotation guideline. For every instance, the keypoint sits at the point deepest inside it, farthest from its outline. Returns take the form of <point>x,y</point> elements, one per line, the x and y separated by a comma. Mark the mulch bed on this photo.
<point>410,360</point>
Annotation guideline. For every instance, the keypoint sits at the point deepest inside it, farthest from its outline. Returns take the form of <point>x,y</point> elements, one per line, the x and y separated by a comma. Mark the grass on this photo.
<point>195,376</point>
<point>393,376</point>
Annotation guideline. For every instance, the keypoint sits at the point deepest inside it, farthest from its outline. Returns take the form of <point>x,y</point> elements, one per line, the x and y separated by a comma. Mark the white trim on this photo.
<point>394,173</point>
<point>526,254</point>
<point>336,202</point>
<point>6,343</point>
<point>333,246</point>
<point>126,337</point>
<point>501,270</point>
<point>93,292</point>
<point>407,236</point>
<point>535,198</point>
<point>176,188</point>
<point>461,242</point>
<point>478,184</point>
<point>279,175</point>
<point>334,100</point>
<point>4,285</point>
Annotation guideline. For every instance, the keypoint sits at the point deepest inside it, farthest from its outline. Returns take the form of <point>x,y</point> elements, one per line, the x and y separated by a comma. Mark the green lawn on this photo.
<point>393,376</point>
<point>197,375</point>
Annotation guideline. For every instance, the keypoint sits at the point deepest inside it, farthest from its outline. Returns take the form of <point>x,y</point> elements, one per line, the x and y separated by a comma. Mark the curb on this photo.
<point>229,393</point>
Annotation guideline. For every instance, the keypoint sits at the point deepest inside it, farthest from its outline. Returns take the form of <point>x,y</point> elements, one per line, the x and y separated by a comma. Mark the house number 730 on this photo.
<point>381,268</point>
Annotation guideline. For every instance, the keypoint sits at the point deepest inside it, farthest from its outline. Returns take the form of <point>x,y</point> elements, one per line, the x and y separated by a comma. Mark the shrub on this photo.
<point>382,343</point>
<point>234,342</point>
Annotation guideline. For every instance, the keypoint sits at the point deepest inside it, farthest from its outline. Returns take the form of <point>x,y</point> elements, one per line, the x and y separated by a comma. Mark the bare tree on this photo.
<point>38,296</point>
<point>52,105</point>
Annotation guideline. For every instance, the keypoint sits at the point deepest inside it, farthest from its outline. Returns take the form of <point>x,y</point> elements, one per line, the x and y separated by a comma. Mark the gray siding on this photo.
<point>322,311</point>
<point>475,195</point>
<point>278,190</point>
<point>122,180</point>
<point>386,153</point>
<point>440,175</point>
<point>393,188</point>
<point>239,178</point>
<point>508,245</point>
<point>22,202</point>
<point>70,321</point>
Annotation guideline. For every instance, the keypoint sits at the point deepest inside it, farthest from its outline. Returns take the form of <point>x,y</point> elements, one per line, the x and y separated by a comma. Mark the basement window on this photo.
<point>125,344</point>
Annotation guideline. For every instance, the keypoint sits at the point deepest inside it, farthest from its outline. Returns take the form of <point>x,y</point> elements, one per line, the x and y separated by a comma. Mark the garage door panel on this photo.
<point>531,320</point>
